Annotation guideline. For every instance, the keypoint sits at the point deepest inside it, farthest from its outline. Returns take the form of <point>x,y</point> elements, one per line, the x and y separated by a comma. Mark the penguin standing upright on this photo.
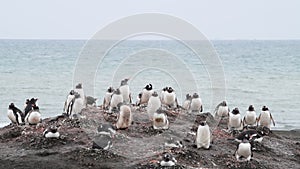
<point>77,105</point>
<point>250,117</point>
<point>79,89</point>
<point>124,118</point>
<point>29,105</point>
<point>243,151</point>
<point>154,104</point>
<point>68,106</point>
<point>170,99</point>
<point>265,118</point>
<point>116,99</point>
<point>107,97</point>
<point>162,95</point>
<point>235,120</point>
<point>146,94</point>
<point>34,116</point>
<point>187,102</point>
<point>203,137</point>
<point>196,104</point>
<point>160,120</point>
<point>125,91</point>
<point>14,114</point>
<point>222,109</point>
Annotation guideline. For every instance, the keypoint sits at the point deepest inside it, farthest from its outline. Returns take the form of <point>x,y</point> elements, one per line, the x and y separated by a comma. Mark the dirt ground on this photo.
<point>139,146</point>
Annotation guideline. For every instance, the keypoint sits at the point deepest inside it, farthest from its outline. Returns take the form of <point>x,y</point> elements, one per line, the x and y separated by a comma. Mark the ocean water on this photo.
<point>256,72</point>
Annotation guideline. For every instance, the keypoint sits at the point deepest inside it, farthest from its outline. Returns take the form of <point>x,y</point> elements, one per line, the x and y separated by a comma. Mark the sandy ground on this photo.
<point>139,146</point>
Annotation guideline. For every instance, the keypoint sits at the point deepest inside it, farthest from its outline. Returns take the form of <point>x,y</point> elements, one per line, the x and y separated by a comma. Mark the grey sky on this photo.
<point>71,19</point>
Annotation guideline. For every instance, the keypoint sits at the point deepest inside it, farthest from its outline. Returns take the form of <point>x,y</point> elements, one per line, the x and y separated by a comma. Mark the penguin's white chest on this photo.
<point>34,117</point>
<point>186,104</point>
<point>222,111</point>
<point>107,98</point>
<point>115,100</point>
<point>12,117</point>
<point>203,137</point>
<point>78,105</point>
<point>169,98</point>
<point>196,104</point>
<point>125,93</point>
<point>125,117</point>
<point>154,104</point>
<point>160,121</point>
<point>146,94</point>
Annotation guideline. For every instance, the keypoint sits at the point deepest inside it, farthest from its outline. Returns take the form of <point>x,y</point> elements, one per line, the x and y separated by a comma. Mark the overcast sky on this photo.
<point>223,19</point>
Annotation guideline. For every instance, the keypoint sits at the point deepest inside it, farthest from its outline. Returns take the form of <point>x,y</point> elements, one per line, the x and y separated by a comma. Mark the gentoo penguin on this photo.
<point>34,116</point>
<point>250,117</point>
<point>168,160</point>
<point>78,89</point>
<point>14,114</point>
<point>106,129</point>
<point>51,132</point>
<point>77,105</point>
<point>162,95</point>
<point>146,94</point>
<point>90,101</point>
<point>160,120</point>
<point>243,151</point>
<point>173,143</point>
<point>154,104</point>
<point>187,102</point>
<point>222,109</point>
<point>196,104</point>
<point>265,117</point>
<point>68,106</point>
<point>104,139</point>
<point>170,99</point>
<point>203,136</point>
<point>124,118</point>
<point>235,120</point>
<point>125,91</point>
<point>116,99</point>
<point>250,135</point>
<point>107,97</point>
<point>29,105</point>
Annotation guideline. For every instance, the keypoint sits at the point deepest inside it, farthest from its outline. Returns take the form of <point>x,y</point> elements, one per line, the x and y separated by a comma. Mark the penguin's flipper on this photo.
<point>272,119</point>
<point>258,120</point>
<point>130,98</point>
<point>201,109</point>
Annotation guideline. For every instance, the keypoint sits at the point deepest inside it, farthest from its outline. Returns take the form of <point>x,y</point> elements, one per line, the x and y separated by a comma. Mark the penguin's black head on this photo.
<point>12,105</point>
<point>202,123</point>
<point>188,97</point>
<point>170,89</point>
<point>34,107</point>
<point>53,129</point>
<point>165,89</point>
<point>224,103</point>
<point>110,90</point>
<point>124,82</point>
<point>27,101</point>
<point>72,92</point>
<point>167,157</point>
<point>235,111</point>
<point>195,95</point>
<point>265,108</point>
<point>117,92</point>
<point>140,95</point>
<point>78,86</point>
<point>148,87</point>
<point>33,100</point>
<point>251,108</point>
<point>154,94</point>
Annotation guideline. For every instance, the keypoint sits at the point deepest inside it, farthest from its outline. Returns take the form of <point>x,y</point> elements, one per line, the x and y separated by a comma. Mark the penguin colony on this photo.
<point>118,102</point>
